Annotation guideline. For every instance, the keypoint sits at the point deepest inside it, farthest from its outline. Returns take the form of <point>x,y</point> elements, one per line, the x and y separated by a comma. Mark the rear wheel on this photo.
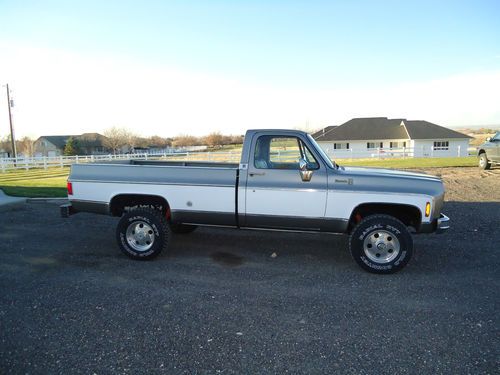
<point>143,233</point>
<point>483,161</point>
<point>381,244</point>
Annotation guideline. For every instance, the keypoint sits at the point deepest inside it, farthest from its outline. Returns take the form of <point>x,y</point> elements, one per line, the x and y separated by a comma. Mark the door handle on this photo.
<point>257,174</point>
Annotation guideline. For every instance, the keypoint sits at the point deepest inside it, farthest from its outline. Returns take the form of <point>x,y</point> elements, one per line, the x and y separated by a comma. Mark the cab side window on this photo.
<point>282,153</point>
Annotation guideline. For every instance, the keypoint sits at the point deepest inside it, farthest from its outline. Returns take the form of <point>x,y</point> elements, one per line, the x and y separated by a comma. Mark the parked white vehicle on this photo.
<point>284,181</point>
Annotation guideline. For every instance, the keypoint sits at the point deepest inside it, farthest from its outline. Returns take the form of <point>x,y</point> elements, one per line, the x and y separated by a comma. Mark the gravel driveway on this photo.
<point>219,302</point>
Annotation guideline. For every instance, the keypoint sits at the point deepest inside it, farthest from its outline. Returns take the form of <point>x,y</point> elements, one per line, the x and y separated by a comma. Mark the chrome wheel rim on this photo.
<point>482,161</point>
<point>381,246</point>
<point>140,236</point>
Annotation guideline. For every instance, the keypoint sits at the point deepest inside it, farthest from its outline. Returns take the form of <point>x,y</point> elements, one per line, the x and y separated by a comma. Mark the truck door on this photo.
<point>495,141</point>
<point>278,194</point>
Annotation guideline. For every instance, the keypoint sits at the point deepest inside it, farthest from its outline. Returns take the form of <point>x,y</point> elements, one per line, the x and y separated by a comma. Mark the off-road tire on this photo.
<point>483,161</point>
<point>182,228</point>
<point>367,242</point>
<point>155,228</point>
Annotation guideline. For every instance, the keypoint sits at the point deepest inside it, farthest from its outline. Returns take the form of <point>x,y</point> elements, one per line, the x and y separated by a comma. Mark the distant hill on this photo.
<point>479,133</point>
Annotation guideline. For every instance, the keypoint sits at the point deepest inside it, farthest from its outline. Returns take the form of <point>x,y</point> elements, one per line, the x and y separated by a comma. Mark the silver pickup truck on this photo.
<point>284,182</point>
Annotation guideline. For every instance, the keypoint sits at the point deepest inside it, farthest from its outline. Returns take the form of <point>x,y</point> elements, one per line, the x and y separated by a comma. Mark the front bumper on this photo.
<point>443,223</point>
<point>439,225</point>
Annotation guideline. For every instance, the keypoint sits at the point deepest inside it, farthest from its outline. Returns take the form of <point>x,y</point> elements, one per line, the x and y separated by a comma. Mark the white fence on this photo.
<point>65,161</point>
<point>228,157</point>
<point>402,153</point>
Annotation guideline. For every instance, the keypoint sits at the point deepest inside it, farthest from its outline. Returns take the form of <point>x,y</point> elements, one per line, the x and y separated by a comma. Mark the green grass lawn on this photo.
<point>52,182</point>
<point>35,183</point>
<point>411,163</point>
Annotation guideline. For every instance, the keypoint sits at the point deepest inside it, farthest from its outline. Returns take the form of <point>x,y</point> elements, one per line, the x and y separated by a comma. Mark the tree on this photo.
<point>214,139</point>
<point>116,138</point>
<point>26,146</point>
<point>71,147</point>
<point>159,142</point>
<point>185,140</point>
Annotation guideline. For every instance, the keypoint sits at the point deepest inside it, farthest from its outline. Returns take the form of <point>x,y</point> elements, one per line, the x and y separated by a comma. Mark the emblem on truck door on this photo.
<point>347,181</point>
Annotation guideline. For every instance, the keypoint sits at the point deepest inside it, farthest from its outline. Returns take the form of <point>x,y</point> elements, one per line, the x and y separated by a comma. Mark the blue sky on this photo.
<point>286,45</point>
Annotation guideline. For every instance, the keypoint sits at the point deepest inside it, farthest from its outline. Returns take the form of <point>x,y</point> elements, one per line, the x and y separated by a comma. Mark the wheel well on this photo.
<point>123,202</point>
<point>408,214</point>
<point>481,152</point>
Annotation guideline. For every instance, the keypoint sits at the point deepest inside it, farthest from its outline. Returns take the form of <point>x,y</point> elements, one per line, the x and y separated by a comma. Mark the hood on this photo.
<point>375,180</point>
<point>380,172</point>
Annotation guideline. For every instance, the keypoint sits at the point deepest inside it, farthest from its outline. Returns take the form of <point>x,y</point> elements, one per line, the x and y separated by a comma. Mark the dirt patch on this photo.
<point>469,184</point>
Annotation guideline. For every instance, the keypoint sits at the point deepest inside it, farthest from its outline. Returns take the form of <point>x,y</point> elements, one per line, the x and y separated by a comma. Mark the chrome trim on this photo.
<point>113,164</point>
<point>443,224</point>
<point>149,183</point>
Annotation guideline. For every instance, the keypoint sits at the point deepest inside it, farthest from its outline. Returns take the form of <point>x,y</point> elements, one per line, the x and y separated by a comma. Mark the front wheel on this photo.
<point>142,233</point>
<point>483,161</point>
<point>381,244</point>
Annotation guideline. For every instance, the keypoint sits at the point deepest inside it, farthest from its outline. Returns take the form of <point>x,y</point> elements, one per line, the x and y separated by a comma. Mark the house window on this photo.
<point>441,145</point>
<point>374,145</point>
<point>397,144</point>
<point>341,146</point>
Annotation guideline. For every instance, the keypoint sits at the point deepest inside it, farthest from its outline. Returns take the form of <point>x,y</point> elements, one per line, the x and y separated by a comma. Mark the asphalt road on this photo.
<point>218,302</point>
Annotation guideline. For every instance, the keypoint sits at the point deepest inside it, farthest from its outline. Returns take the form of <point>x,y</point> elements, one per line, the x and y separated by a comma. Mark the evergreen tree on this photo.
<point>71,147</point>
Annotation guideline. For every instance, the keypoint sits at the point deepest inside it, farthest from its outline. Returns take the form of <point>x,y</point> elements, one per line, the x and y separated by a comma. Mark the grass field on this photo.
<point>470,161</point>
<point>52,182</point>
<point>35,182</point>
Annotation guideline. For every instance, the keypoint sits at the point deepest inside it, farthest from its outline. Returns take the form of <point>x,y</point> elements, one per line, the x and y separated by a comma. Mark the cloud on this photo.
<point>58,92</point>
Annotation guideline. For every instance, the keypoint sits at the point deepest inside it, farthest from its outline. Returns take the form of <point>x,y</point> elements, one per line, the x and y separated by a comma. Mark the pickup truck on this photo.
<point>284,182</point>
<point>489,152</point>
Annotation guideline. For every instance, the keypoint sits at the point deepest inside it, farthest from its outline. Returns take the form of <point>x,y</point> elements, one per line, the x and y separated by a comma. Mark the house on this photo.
<point>88,144</point>
<point>380,136</point>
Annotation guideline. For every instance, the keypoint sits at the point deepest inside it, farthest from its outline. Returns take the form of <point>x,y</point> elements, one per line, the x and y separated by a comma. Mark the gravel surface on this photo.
<point>228,301</point>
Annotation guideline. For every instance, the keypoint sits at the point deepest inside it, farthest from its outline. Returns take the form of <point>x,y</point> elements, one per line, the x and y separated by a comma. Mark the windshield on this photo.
<point>323,153</point>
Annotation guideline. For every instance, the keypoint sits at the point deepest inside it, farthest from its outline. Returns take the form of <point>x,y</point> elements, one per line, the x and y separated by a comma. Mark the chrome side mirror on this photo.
<point>305,175</point>
<point>488,139</point>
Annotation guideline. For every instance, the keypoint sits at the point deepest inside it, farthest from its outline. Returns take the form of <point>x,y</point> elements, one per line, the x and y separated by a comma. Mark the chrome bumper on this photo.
<point>443,223</point>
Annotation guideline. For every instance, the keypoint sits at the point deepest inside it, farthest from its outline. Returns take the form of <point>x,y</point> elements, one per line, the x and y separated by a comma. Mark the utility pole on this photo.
<point>12,138</point>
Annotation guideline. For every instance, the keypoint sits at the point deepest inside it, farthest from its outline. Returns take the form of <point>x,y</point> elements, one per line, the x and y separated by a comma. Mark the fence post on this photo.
<point>458,148</point>
<point>3,165</point>
<point>61,161</point>
<point>76,159</point>
<point>432,151</point>
<point>44,162</point>
<point>146,156</point>
<point>378,153</point>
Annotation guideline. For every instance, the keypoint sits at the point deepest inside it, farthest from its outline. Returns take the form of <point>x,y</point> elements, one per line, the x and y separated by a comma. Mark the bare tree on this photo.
<point>117,138</point>
<point>214,139</point>
<point>185,140</point>
<point>159,142</point>
<point>26,146</point>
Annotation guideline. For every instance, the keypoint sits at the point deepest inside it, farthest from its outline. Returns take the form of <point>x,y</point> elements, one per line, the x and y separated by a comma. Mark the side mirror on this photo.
<point>488,139</point>
<point>305,175</point>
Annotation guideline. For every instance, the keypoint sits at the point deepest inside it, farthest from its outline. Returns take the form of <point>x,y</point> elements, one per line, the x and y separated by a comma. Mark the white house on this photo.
<point>383,137</point>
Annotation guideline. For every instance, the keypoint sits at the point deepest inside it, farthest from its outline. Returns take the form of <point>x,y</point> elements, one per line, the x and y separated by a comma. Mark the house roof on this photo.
<point>379,128</point>
<point>85,139</point>
<point>418,129</point>
<point>320,134</point>
<point>91,139</point>
<point>57,140</point>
